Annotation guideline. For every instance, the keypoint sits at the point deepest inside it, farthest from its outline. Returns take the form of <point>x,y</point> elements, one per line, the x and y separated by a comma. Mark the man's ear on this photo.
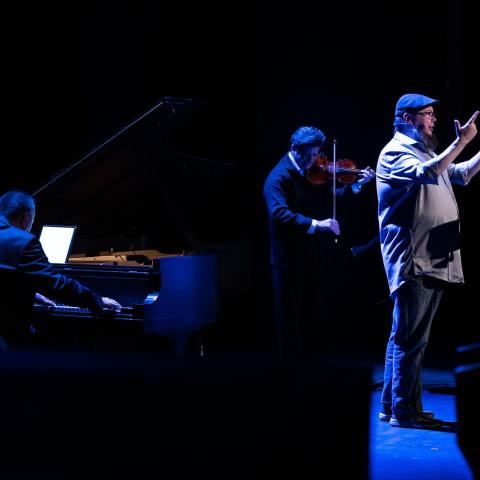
<point>407,117</point>
<point>26,221</point>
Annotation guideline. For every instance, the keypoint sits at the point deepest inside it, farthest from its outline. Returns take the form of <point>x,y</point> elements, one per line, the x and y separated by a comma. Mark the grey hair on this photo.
<point>15,203</point>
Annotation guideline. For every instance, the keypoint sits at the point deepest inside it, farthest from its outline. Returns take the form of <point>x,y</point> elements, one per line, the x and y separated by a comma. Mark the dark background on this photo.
<point>72,76</point>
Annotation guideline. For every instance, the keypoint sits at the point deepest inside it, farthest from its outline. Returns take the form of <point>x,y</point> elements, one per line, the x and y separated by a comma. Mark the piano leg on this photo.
<point>179,339</point>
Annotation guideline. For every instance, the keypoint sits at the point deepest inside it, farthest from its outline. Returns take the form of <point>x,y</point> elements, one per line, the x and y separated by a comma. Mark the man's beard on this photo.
<point>430,141</point>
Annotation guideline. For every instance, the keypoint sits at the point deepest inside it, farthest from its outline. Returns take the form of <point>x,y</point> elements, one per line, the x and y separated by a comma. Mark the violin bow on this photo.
<point>334,181</point>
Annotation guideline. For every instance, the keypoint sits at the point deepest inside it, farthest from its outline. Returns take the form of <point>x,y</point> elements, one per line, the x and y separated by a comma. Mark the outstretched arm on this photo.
<point>472,165</point>
<point>465,134</point>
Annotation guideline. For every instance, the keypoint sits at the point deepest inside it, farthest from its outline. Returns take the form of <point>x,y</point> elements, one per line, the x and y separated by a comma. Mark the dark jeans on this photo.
<point>415,304</point>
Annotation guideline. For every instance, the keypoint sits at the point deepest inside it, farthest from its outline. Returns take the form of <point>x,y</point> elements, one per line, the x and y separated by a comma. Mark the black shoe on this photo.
<point>426,414</point>
<point>418,421</point>
<point>385,417</point>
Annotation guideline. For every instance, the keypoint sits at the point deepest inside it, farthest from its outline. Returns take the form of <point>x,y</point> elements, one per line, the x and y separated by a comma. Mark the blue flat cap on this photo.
<point>411,102</point>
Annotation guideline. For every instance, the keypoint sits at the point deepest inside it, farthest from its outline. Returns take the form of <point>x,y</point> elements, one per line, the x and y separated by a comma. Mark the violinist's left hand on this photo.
<point>366,175</point>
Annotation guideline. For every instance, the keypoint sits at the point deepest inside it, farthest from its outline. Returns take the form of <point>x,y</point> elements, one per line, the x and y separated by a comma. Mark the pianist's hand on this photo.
<point>44,300</point>
<point>111,304</point>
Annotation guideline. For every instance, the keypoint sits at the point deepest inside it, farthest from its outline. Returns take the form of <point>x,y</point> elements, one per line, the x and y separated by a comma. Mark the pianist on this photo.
<point>25,271</point>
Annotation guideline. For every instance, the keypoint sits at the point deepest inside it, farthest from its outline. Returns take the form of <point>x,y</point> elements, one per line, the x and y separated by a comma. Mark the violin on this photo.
<point>322,171</point>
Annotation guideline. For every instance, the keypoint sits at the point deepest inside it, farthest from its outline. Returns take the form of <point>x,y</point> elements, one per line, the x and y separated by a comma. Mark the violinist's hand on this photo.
<point>111,304</point>
<point>329,224</point>
<point>366,175</point>
<point>44,300</point>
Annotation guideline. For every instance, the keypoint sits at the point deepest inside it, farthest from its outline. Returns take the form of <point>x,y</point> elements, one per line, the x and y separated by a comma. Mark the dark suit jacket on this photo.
<point>291,204</point>
<point>25,270</point>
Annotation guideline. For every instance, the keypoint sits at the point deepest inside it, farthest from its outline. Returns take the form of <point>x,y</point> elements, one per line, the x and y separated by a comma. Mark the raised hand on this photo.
<point>468,131</point>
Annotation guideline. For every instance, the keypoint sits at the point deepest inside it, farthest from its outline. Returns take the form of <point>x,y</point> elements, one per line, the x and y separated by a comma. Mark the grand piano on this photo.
<point>133,243</point>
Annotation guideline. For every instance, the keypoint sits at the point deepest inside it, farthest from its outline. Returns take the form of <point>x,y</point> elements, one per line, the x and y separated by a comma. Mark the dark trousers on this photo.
<point>308,319</point>
<point>415,304</point>
<point>287,313</point>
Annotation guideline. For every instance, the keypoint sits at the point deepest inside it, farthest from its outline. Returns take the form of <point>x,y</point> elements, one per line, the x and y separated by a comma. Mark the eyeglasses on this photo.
<point>427,114</point>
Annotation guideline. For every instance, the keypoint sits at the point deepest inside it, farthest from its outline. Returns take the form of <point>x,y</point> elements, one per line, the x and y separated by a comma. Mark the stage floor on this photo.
<point>399,453</point>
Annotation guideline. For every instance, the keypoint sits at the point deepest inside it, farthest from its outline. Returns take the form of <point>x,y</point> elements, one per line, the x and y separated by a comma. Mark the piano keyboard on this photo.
<point>126,313</point>
<point>60,308</point>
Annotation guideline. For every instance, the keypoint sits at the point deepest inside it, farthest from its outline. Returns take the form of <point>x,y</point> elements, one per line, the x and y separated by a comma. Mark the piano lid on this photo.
<point>132,191</point>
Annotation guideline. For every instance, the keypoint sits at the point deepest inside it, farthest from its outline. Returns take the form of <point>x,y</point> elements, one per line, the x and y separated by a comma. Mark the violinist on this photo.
<point>309,265</point>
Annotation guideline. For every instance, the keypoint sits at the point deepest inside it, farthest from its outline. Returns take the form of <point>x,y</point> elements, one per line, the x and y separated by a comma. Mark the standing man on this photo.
<point>308,264</point>
<point>419,236</point>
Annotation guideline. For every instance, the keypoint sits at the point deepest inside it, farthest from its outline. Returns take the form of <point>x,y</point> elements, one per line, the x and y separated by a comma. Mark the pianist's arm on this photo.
<point>45,280</point>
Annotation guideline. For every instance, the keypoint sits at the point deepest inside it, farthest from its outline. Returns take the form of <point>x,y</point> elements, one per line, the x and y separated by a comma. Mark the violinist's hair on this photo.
<point>15,203</point>
<point>307,137</point>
